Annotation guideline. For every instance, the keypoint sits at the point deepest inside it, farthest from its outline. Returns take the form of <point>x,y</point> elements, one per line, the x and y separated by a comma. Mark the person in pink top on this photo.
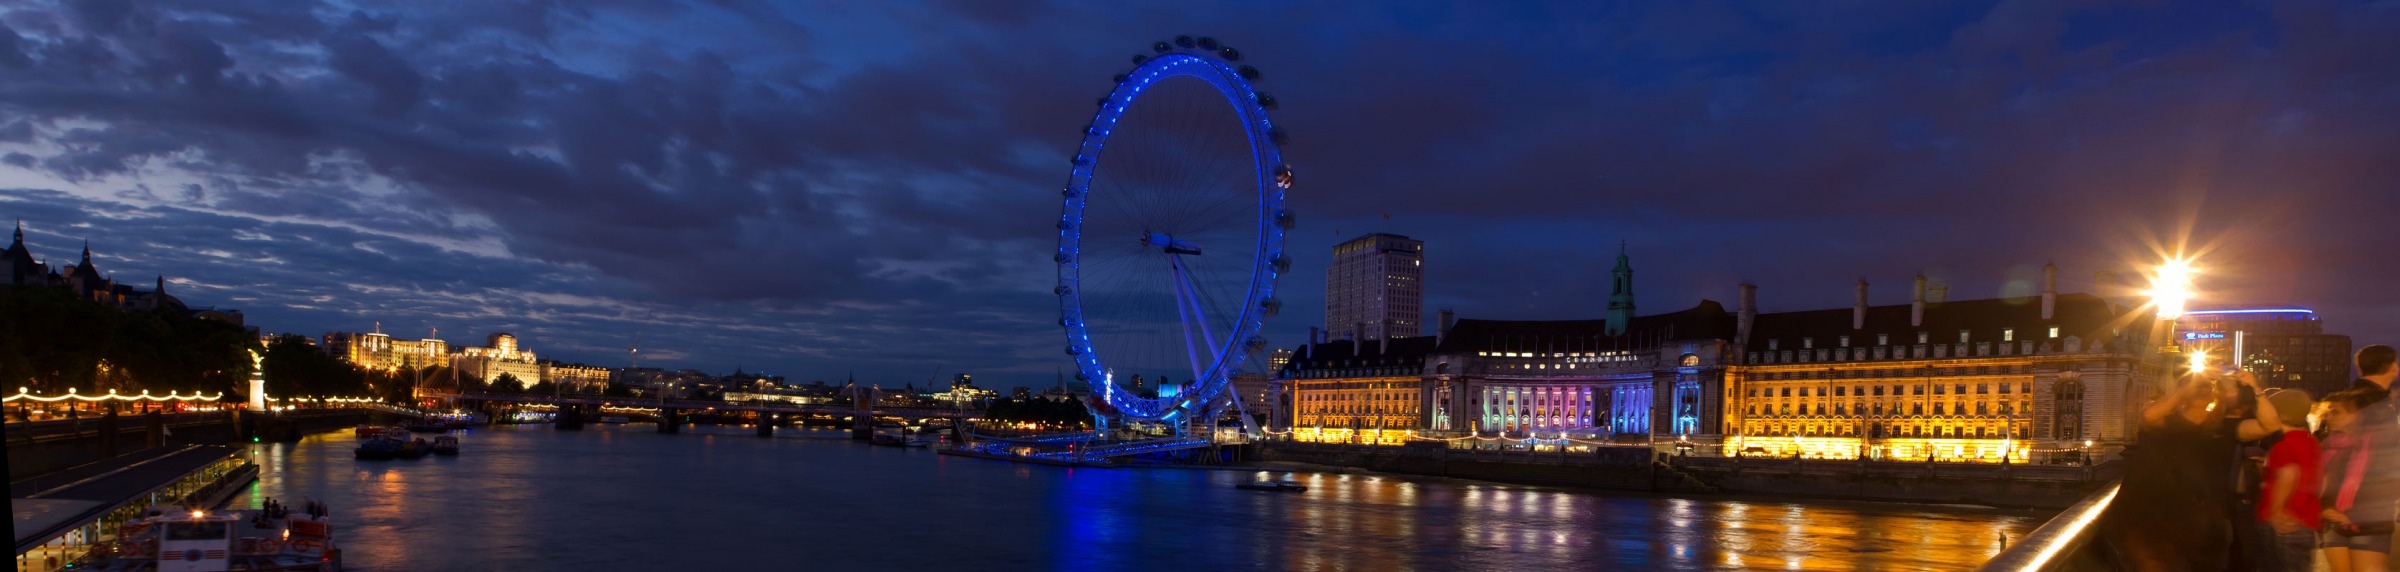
<point>2348,547</point>
<point>2287,504</point>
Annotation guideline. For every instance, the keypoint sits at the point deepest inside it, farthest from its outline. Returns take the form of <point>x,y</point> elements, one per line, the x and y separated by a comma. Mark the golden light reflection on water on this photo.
<point>837,505</point>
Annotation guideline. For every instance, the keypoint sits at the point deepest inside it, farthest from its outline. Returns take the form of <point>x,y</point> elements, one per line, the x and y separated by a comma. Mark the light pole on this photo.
<point>2170,288</point>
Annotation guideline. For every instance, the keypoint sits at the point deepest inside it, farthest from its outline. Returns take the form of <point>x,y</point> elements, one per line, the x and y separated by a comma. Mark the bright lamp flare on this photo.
<point>2199,360</point>
<point>2172,287</point>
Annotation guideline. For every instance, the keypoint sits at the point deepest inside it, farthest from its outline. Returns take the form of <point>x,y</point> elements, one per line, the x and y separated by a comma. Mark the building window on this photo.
<point>1845,341</point>
<point>1883,339</point>
<point>2054,332</point>
<point>1962,336</point>
<point>2069,410</point>
<point>1772,345</point>
<point>1808,343</point>
<point>2008,334</point>
<point>1923,336</point>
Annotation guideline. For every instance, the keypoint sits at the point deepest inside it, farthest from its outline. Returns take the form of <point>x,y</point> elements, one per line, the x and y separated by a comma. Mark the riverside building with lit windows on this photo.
<point>1359,392</point>
<point>2285,346</point>
<point>379,351</point>
<point>2046,378</point>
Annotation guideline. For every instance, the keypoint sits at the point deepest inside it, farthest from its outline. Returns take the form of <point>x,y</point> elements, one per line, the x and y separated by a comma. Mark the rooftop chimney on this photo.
<point>2049,290</point>
<point>1449,318</point>
<point>1749,313</point>
<point>1858,310</point>
<point>1309,350</point>
<point>1916,304</point>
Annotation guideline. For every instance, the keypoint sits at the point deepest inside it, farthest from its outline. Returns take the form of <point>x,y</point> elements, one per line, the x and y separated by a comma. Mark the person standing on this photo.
<point>2287,507</point>
<point>2379,424</point>
<point>2346,547</point>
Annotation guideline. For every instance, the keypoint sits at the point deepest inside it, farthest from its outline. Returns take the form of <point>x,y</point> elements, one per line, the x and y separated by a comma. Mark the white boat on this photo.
<point>204,541</point>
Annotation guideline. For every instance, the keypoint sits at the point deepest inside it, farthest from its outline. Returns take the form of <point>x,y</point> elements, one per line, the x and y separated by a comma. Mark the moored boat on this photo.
<point>1276,486</point>
<point>415,449</point>
<point>445,445</point>
<point>379,448</point>
<point>260,540</point>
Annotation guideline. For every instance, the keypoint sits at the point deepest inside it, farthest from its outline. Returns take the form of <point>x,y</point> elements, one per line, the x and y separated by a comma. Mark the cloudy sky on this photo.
<point>817,188</point>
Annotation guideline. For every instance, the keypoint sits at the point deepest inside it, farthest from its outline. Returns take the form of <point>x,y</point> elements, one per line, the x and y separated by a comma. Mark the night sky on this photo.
<point>815,188</point>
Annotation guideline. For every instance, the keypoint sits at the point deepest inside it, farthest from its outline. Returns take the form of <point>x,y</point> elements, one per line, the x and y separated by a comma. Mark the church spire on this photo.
<point>20,231</point>
<point>87,252</point>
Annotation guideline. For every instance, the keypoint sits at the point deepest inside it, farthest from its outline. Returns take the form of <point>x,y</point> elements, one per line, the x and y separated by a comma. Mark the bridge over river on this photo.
<point>576,409</point>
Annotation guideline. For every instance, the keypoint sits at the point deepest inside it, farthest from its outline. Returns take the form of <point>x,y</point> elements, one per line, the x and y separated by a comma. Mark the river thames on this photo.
<point>627,498</point>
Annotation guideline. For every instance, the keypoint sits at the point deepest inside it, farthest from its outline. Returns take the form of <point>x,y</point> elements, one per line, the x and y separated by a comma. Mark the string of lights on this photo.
<point>24,395</point>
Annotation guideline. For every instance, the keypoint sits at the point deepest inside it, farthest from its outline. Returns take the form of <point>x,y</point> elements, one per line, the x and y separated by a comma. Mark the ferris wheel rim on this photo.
<point>1267,261</point>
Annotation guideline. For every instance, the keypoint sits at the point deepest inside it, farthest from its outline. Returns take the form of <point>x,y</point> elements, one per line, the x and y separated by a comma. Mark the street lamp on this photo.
<point>2170,288</point>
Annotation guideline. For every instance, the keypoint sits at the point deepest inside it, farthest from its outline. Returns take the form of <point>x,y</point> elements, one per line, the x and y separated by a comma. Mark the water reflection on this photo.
<point>617,498</point>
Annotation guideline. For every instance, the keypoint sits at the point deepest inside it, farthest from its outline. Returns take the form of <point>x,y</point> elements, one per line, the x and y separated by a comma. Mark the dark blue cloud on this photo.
<point>817,187</point>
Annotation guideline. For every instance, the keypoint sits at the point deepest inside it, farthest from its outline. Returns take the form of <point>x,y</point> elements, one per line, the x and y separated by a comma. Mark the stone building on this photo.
<point>1348,391</point>
<point>85,281</point>
<point>1996,380</point>
<point>501,356</point>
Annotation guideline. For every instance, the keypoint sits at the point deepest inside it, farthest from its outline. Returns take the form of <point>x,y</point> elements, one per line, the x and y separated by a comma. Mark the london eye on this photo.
<point>1171,237</point>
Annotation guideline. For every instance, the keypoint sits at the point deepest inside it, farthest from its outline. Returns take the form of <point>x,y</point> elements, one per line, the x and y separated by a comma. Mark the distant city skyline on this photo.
<point>815,192</point>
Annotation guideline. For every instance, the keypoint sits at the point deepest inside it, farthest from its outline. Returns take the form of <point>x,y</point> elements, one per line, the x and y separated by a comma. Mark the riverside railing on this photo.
<point>2058,544</point>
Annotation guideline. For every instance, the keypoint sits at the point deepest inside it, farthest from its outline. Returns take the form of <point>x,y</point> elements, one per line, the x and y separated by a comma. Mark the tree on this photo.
<point>543,387</point>
<point>508,382</point>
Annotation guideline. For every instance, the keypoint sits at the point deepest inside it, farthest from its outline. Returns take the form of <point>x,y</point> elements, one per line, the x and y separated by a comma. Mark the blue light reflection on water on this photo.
<point>626,498</point>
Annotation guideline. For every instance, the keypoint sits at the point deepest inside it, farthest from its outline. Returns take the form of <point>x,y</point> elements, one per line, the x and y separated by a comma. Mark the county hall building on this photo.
<point>2032,378</point>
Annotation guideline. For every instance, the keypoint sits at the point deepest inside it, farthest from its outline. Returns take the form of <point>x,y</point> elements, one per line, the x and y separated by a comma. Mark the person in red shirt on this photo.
<point>2287,505</point>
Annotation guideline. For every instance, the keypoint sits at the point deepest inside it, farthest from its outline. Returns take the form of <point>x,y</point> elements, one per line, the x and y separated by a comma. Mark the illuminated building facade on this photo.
<point>2286,346</point>
<point>2025,379</point>
<point>379,351</point>
<point>1656,379</point>
<point>1362,392</point>
<point>576,377</point>
<point>1375,288</point>
<point>501,356</point>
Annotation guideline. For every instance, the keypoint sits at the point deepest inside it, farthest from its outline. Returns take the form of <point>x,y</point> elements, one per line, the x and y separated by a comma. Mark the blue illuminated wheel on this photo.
<point>1172,235</point>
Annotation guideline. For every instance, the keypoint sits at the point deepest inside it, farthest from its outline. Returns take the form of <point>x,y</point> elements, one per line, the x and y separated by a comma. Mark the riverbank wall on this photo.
<point>1615,469</point>
<point>40,448</point>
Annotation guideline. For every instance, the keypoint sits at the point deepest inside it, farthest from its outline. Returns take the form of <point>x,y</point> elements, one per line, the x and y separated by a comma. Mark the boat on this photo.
<point>415,449</point>
<point>260,540</point>
<point>445,445</point>
<point>366,431</point>
<point>1276,486</point>
<point>379,448</point>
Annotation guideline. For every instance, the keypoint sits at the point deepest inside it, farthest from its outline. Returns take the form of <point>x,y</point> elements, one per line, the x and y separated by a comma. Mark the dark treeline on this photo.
<point>51,340</point>
<point>296,368</point>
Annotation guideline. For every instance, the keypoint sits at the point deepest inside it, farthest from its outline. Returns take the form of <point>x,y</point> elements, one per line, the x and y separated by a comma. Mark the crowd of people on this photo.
<point>2229,475</point>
